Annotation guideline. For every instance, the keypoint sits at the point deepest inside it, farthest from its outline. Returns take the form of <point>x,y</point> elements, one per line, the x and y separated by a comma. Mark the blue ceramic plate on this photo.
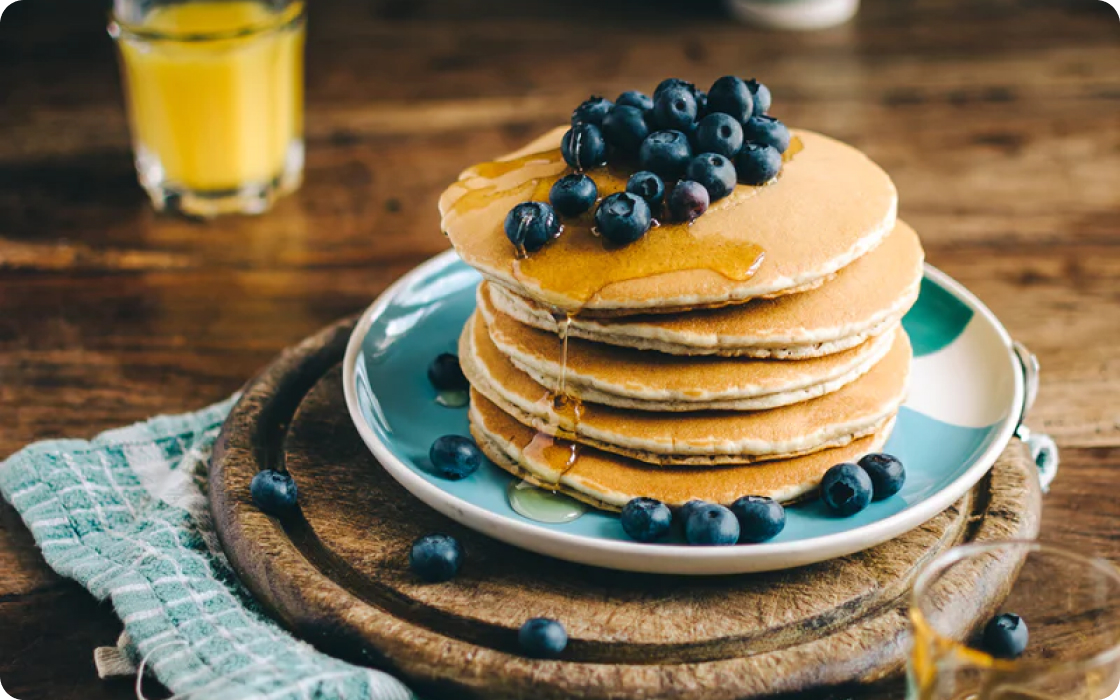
<point>965,400</point>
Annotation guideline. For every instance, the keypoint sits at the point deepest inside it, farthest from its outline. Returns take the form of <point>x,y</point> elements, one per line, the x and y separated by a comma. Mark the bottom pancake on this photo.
<point>608,481</point>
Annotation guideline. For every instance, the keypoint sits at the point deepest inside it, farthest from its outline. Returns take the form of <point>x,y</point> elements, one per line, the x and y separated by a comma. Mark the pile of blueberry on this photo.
<point>690,149</point>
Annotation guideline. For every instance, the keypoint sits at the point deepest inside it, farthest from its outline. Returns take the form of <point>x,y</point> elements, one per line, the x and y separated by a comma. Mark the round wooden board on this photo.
<point>338,575</point>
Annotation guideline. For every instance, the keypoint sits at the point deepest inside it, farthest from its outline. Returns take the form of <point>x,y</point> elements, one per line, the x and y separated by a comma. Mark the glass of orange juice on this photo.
<point>1055,635</point>
<point>215,100</point>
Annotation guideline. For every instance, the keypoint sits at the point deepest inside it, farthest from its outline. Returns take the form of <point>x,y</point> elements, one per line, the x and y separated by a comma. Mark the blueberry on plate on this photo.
<point>760,518</point>
<point>542,638</point>
<point>455,457</point>
<point>846,489</point>
<point>666,153</point>
<point>731,96</point>
<point>688,201</point>
<point>646,519</point>
<point>757,164</point>
<point>623,218</point>
<point>584,147</point>
<point>573,194</point>
<point>688,509</point>
<point>768,130</point>
<point>436,558</point>
<point>718,133</point>
<point>886,472</point>
<point>274,492</point>
<point>530,225</point>
<point>445,374</point>
<point>634,98</point>
<point>670,83</point>
<point>714,172</point>
<point>625,128</point>
<point>649,187</point>
<point>675,108</point>
<point>591,111</point>
<point>711,524</point>
<point>761,95</point>
<point>1005,636</point>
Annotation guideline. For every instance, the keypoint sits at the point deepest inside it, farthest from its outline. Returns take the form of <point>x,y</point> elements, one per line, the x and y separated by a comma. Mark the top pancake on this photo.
<point>829,206</point>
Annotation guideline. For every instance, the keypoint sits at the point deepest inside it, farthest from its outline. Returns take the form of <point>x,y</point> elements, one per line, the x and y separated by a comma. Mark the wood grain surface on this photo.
<point>997,119</point>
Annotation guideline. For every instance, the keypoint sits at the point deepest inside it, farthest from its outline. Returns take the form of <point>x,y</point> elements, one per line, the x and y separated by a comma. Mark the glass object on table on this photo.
<point>215,100</point>
<point>1071,607</point>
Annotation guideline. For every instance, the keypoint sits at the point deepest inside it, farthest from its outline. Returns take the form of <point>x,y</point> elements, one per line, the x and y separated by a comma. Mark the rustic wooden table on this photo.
<point>999,120</point>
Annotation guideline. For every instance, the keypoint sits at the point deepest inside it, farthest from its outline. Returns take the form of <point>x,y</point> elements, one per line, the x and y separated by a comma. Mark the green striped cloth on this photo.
<point>125,514</point>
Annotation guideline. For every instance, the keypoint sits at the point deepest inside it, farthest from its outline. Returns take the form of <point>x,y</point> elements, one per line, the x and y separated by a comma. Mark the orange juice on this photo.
<point>215,93</point>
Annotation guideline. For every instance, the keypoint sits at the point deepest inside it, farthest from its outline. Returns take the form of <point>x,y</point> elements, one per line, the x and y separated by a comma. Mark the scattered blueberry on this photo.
<point>757,164</point>
<point>633,98</point>
<point>445,374</point>
<point>625,128</point>
<point>1005,636</point>
<point>886,472</point>
<point>584,147</point>
<point>719,133</point>
<point>711,524</point>
<point>768,130</point>
<point>623,218</point>
<point>670,83</point>
<point>675,108</point>
<point>542,638</point>
<point>666,153</point>
<point>846,489</point>
<point>274,492</point>
<point>531,225</point>
<point>573,194</point>
<point>646,519</point>
<point>688,200</point>
<point>436,558</point>
<point>760,518</point>
<point>731,96</point>
<point>714,172</point>
<point>591,111</point>
<point>455,456</point>
<point>761,95</point>
<point>647,186</point>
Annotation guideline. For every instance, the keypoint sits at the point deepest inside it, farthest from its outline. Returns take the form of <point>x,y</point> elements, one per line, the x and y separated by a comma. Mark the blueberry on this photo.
<point>719,133</point>
<point>591,111</point>
<point>647,186</point>
<point>531,225</point>
<point>646,519</point>
<point>846,489</point>
<point>573,194</point>
<point>274,492</point>
<point>688,201</point>
<point>886,472</point>
<point>757,164</point>
<point>768,130</point>
<point>623,218</point>
<point>542,638</point>
<point>731,96</point>
<point>584,147</point>
<point>445,374</point>
<point>625,128</point>
<point>666,153</point>
<point>760,518</point>
<point>633,98</point>
<point>436,558</point>
<point>761,95</point>
<point>675,108</point>
<point>701,104</point>
<point>669,84</point>
<point>689,508</point>
<point>714,172</point>
<point>711,524</point>
<point>1005,636</point>
<point>455,456</point>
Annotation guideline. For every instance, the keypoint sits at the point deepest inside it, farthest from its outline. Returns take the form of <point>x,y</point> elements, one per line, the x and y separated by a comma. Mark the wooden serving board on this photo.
<point>338,575</point>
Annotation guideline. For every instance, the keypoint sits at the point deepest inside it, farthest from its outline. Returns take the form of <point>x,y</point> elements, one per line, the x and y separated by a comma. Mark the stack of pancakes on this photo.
<point>742,354</point>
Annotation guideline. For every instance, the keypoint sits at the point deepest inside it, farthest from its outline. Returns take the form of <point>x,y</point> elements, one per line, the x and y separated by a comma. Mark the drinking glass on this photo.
<point>215,100</point>
<point>1069,602</point>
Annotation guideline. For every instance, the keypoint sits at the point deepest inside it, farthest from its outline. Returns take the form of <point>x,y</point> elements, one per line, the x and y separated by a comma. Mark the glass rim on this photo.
<point>291,15</point>
<point>943,562</point>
